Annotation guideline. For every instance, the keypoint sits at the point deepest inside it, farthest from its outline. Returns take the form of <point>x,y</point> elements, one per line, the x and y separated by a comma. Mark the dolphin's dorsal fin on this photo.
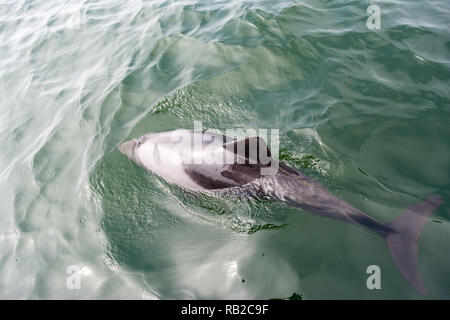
<point>253,149</point>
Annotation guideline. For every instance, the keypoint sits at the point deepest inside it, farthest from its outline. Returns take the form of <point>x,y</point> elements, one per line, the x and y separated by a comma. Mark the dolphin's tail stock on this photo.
<point>402,243</point>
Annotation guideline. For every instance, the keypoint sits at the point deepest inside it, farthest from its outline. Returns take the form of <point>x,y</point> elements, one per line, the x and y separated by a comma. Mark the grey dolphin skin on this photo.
<point>207,161</point>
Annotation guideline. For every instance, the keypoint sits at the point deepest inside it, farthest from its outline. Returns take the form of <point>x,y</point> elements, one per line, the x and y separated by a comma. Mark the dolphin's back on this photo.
<point>238,163</point>
<point>199,160</point>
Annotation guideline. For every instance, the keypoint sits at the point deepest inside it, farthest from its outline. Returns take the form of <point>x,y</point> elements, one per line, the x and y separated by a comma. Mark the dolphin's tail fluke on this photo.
<point>402,242</point>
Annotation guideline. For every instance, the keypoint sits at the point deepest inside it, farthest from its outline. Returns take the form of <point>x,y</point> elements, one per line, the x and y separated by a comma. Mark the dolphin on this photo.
<point>208,161</point>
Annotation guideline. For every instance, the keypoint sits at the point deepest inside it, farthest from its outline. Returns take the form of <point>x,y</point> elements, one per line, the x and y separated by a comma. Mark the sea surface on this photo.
<point>364,111</point>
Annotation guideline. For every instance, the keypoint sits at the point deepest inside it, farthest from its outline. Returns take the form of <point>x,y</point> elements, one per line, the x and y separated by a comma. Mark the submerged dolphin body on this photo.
<point>173,156</point>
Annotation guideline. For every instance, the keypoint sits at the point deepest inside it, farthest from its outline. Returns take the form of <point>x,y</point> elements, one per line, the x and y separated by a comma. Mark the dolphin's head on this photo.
<point>129,148</point>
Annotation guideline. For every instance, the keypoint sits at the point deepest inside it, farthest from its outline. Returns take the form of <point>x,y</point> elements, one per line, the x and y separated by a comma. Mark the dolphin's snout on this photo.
<point>127,147</point>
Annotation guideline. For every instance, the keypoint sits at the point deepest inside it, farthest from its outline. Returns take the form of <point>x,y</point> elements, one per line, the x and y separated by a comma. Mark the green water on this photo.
<point>365,112</point>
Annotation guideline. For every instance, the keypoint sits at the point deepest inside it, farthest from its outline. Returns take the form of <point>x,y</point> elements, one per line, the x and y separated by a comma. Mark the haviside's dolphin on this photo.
<point>217,162</point>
